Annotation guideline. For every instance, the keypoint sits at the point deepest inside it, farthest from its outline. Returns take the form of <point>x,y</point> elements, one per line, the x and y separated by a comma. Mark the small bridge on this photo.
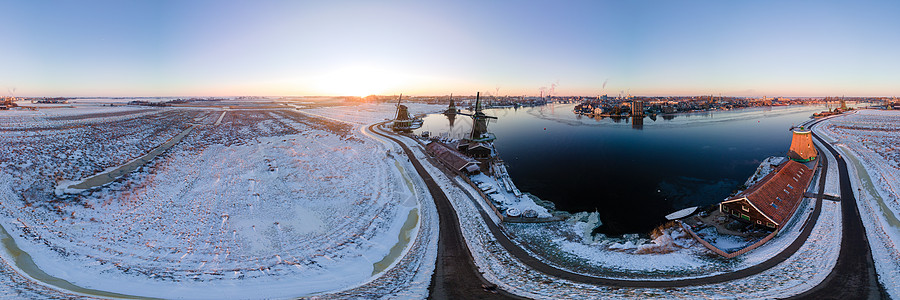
<point>824,196</point>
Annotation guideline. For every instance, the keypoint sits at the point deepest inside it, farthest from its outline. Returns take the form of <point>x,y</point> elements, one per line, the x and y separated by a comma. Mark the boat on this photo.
<point>513,212</point>
<point>681,213</point>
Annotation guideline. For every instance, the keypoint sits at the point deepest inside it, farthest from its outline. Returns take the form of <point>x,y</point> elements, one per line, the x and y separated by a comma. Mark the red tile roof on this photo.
<point>778,194</point>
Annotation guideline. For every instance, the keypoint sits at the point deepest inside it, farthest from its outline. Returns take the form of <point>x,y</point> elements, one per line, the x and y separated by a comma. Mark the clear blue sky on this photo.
<point>184,48</point>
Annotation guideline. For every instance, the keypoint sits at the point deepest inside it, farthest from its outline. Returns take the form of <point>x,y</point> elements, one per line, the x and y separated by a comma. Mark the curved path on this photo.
<point>454,259</point>
<point>455,274</point>
<point>853,277</point>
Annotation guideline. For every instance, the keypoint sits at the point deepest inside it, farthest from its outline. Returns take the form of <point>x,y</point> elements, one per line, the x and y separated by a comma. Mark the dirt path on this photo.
<point>853,277</point>
<point>110,176</point>
<point>455,274</point>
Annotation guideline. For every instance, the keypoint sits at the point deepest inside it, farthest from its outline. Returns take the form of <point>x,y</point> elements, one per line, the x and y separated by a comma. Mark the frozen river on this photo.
<point>632,174</point>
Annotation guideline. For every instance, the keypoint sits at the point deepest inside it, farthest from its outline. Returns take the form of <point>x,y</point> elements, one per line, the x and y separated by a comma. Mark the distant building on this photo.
<point>7,103</point>
<point>771,202</point>
<point>53,101</point>
<point>802,148</point>
<point>637,108</point>
<point>668,109</point>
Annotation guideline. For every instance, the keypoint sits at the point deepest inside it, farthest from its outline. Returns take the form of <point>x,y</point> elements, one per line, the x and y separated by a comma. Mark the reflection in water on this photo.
<point>637,123</point>
<point>451,118</point>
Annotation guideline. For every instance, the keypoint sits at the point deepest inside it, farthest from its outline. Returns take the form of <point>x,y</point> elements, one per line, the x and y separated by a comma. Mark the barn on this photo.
<point>452,158</point>
<point>771,202</point>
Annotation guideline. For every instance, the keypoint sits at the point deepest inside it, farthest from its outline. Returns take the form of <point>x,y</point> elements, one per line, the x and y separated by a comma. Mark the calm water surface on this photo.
<point>632,175</point>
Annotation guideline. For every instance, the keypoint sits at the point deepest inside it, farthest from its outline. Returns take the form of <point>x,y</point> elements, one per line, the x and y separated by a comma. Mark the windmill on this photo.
<point>451,112</point>
<point>400,110</point>
<point>403,122</point>
<point>479,123</point>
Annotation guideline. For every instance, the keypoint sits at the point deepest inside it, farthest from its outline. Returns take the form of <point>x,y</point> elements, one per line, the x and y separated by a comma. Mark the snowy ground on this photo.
<point>765,167</point>
<point>868,140</point>
<point>725,242</point>
<point>270,203</point>
<point>505,200</point>
<point>571,246</point>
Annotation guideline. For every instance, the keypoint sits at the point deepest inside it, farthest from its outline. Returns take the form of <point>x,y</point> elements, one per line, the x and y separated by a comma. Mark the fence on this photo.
<point>719,251</point>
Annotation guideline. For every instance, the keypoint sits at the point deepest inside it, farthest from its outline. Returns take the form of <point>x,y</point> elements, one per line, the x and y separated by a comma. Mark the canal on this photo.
<point>632,173</point>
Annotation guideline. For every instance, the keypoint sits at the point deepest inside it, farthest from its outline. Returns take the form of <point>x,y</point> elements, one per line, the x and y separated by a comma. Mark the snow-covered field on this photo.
<point>870,142</point>
<point>269,203</point>
<point>369,113</point>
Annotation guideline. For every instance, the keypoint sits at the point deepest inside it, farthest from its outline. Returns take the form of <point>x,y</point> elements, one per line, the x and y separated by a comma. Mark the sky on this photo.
<point>357,48</point>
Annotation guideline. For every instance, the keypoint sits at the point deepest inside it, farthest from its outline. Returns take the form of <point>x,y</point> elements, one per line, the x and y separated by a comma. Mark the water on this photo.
<point>632,174</point>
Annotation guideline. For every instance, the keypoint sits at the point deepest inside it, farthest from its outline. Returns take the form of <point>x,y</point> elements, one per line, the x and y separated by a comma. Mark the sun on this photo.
<point>357,81</point>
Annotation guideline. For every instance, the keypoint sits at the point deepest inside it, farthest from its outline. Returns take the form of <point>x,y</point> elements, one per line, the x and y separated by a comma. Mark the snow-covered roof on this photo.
<point>451,157</point>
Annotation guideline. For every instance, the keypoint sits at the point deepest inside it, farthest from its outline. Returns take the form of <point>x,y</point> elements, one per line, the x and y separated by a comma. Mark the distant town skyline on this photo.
<point>357,48</point>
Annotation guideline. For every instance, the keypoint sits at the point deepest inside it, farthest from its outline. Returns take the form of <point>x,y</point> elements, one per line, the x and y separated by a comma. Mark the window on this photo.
<point>759,222</point>
<point>786,192</point>
<point>744,207</point>
<point>790,186</point>
<point>778,198</point>
<point>774,205</point>
<point>770,224</point>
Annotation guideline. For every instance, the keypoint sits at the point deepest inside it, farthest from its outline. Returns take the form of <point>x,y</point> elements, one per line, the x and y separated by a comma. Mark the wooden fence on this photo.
<point>720,251</point>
